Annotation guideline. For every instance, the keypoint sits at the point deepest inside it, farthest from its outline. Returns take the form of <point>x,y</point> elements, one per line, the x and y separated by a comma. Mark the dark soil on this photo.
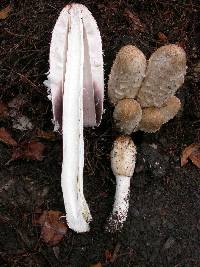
<point>163,225</point>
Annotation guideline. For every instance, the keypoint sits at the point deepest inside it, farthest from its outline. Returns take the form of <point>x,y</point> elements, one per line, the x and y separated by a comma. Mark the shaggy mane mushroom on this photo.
<point>123,156</point>
<point>143,96</point>
<point>76,84</point>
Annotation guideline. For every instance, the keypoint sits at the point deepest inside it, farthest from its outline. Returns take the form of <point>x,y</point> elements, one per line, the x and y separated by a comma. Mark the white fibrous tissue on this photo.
<point>76,85</point>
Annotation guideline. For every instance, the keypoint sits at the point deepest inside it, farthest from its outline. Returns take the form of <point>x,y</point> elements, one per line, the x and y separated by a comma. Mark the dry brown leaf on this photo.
<point>96,265</point>
<point>53,229</point>
<point>195,157</point>
<point>162,37</point>
<point>3,110</point>
<point>6,138</point>
<point>32,150</point>
<point>134,20</point>
<point>191,152</point>
<point>4,13</point>
<point>46,135</point>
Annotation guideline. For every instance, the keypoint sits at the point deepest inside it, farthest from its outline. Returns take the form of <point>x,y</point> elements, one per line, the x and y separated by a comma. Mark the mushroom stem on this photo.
<point>121,204</point>
<point>77,211</point>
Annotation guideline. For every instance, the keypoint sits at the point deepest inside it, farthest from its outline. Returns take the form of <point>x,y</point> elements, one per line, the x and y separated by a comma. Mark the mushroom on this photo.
<point>144,100</point>
<point>76,85</point>
<point>123,156</point>
<point>153,118</point>
<point>127,115</point>
<point>127,73</point>
<point>164,75</point>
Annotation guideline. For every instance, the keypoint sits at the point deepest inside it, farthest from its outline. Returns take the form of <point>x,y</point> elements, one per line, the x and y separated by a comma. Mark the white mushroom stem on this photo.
<point>77,211</point>
<point>123,163</point>
<point>121,203</point>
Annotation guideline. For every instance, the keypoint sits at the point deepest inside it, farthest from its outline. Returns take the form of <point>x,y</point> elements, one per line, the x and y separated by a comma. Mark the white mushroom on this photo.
<point>123,156</point>
<point>76,84</point>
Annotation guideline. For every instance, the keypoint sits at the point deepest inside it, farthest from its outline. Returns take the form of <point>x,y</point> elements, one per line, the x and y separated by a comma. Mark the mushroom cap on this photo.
<point>127,115</point>
<point>127,73</point>
<point>93,75</point>
<point>170,108</point>
<point>153,117</point>
<point>152,120</point>
<point>123,156</point>
<point>165,74</point>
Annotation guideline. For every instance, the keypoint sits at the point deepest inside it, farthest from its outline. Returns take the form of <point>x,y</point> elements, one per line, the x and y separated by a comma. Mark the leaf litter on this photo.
<point>191,152</point>
<point>32,150</point>
<point>6,137</point>
<point>53,229</point>
<point>4,13</point>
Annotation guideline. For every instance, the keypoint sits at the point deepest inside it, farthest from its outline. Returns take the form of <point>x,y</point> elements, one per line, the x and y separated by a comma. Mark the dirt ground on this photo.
<point>163,225</point>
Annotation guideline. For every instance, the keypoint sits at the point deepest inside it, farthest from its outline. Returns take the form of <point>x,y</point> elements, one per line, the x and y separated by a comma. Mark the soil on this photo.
<point>163,224</point>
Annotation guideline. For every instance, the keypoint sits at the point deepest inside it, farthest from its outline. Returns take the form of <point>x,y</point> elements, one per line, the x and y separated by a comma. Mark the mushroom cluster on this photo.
<point>143,95</point>
<point>143,91</point>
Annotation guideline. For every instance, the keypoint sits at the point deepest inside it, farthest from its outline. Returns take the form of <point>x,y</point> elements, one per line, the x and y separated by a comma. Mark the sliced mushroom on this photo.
<point>76,83</point>
<point>164,75</point>
<point>127,73</point>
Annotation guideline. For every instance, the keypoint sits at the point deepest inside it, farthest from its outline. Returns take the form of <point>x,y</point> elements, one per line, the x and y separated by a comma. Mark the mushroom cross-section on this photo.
<point>76,83</point>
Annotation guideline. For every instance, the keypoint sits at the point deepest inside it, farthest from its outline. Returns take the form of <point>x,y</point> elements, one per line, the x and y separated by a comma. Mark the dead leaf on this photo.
<point>6,138</point>
<point>53,229</point>
<point>4,13</point>
<point>108,255</point>
<point>162,37</point>
<point>32,150</point>
<point>191,152</point>
<point>96,265</point>
<point>134,20</point>
<point>3,110</point>
<point>195,158</point>
<point>46,135</point>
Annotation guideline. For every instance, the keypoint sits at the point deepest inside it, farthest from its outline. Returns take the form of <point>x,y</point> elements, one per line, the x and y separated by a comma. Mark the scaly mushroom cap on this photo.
<point>123,156</point>
<point>153,118</point>
<point>127,73</point>
<point>165,74</point>
<point>127,115</point>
